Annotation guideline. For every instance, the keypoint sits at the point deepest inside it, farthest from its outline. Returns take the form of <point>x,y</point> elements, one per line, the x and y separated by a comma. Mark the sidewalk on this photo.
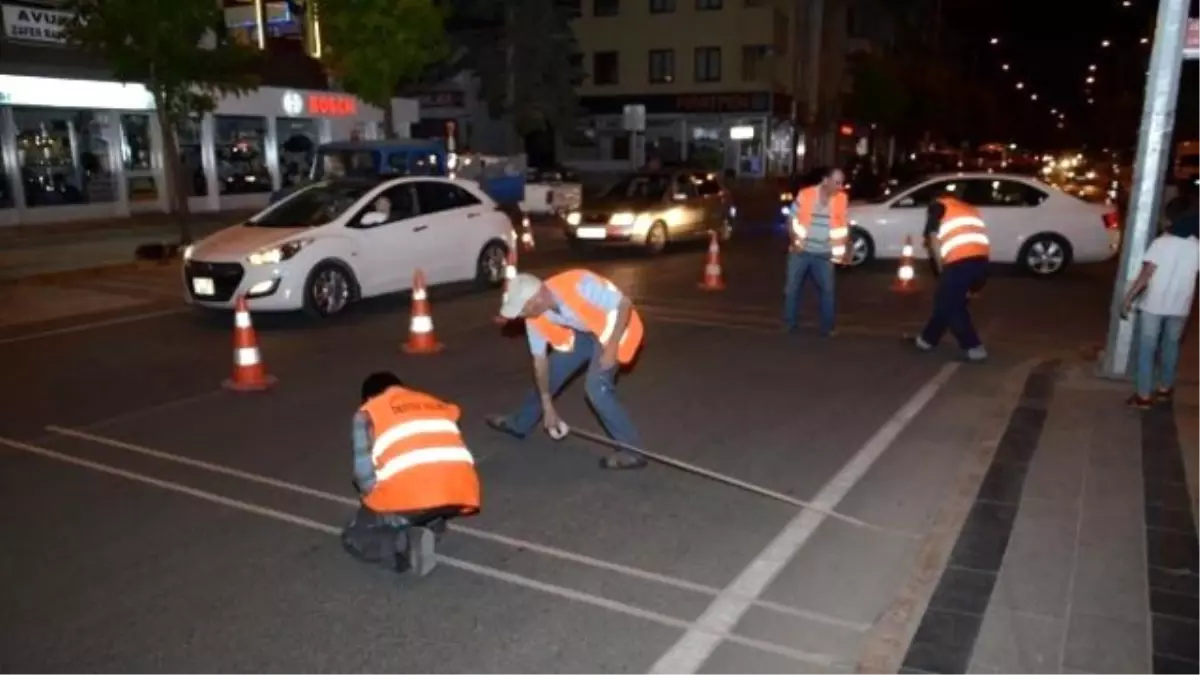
<point>63,247</point>
<point>1079,553</point>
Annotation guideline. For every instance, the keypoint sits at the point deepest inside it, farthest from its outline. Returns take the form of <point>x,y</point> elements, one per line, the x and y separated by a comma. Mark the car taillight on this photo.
<point>1112,221</point>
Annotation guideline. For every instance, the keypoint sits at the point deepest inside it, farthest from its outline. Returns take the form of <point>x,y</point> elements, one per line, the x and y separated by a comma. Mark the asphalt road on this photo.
<point>158,522</point>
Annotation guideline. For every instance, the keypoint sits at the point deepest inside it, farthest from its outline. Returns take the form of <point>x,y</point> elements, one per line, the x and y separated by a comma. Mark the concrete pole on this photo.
<point>1141,223</point>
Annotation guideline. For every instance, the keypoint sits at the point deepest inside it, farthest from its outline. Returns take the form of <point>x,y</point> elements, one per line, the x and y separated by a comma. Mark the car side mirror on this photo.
<point>373,218</point>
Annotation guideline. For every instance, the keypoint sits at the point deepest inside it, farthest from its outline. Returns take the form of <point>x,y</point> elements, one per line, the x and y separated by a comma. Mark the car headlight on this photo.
<point>573,218</point>
<point>278,254</point>
<point>623,219</point>
<point>187,252</point>
<point>786,197</point>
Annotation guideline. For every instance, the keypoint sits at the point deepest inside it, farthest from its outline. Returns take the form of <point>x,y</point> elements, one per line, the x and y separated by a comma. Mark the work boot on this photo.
<point>500,423</point>
<point>1139,402</point>
<point>976,354</point>
<point>623,460</point>
<point>421,556</point>
<point>920,343</point>
<point>1164,395</point>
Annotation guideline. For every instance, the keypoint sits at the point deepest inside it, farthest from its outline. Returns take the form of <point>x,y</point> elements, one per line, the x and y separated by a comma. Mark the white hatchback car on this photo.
<point>331,243</point>
<point>1030,223</point>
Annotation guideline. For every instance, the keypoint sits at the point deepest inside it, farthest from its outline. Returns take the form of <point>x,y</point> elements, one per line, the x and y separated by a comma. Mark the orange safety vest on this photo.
<point>565,287</point>
<point>962,233</point>
<point>839,222</point>
<point>421,461</point>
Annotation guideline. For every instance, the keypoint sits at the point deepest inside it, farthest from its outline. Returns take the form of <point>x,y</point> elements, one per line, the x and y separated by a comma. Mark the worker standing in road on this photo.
<point>413,472</point>
<point>820,236</point>
<point>957,242</point>
<point>585,320</point>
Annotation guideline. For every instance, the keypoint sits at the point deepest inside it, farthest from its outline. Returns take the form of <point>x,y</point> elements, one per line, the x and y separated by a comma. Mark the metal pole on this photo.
<point>1141,223</point>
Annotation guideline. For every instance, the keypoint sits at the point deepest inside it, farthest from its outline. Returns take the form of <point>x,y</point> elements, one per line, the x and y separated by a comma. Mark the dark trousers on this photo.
<point>378,537</point>
<point>950,303</point>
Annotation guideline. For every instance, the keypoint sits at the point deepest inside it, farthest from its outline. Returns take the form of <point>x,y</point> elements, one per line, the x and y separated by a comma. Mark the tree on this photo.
<point>879,94</point>
<point>179,50</point>
<point>374,46</point>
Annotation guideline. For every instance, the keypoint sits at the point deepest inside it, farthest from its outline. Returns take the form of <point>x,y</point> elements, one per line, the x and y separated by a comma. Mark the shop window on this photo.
<point>241,154</point>
<point>605,68</point>
<point>137,157</point>
<point>191,159</point>
<point>706,146</point>
<point>298,141</point>
<point>64,157</point>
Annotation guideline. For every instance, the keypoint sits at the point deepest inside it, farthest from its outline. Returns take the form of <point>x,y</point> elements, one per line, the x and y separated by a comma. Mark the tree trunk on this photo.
<point>389,124</point>
<point>177,192</point>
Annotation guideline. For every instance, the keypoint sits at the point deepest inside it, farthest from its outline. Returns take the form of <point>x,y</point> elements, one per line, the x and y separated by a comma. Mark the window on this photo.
<point>705,185</point>
<point>754,63</point>
<point>312,206</point>
<point>684,187</point>
<point>708,64</point>
<point>756,3</point>
<point>241,155</point>
<point>63,157</point>
<point>396,204</point>
<point>662,6</point>
<point>191,160</point>
<point>780,38</point>
<point>606,7</point>
<point>605,68</point>
<point>298,141</point>
<point>709,4</point>
<point>993,193</point>
<point>923,196</point>
<point>136,156</point>
<point>662,66</point>
<point>437,197</point>
<point>341,163</point>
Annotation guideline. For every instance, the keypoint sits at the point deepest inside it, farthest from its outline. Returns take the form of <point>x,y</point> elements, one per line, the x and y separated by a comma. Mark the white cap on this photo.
<point>520,289</point>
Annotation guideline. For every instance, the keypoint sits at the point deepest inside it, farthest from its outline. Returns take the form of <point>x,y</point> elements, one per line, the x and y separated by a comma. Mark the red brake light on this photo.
<point>1112,221</point>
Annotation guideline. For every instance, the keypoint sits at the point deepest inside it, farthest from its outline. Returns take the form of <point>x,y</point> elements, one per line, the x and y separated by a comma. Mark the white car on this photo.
<point>334,242</point>
<point>551,191</point>
<point>1030,223</point>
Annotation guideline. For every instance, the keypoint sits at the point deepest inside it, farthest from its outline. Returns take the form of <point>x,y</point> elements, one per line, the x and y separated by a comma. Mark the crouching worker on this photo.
<point>413,472</point>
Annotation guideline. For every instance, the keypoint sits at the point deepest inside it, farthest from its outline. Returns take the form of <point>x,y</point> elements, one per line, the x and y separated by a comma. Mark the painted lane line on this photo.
<point>493,537</point>
<point>78,328</point>
<point>696,646</point>
<point>499,575</point>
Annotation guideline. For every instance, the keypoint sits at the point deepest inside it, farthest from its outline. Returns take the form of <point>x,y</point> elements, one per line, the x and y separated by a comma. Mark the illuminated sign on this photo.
<point>293,104</point>
<point>59,93</point>
<point>332,105</point>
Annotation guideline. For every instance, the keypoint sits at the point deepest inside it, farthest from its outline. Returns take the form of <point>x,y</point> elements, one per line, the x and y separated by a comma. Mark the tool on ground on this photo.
<point>730,480</point>
<point>248,371</point>
<point>905,276</point>
<point>713,279</point>
<point>421,339</point>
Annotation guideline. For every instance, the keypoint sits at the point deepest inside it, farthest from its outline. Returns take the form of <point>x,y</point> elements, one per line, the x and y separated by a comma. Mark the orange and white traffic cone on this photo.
<point>421,339</point>
<point>510,273</point>
<point>248,371</point>
<point>905,276</point>
<point>713,280</point>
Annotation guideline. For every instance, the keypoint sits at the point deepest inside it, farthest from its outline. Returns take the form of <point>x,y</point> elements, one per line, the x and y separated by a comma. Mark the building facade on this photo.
<point>75,145</point>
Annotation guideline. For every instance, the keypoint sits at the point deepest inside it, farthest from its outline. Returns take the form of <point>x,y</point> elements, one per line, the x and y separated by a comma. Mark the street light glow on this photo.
<point>1004,67</point>
<point>1091,80</point>
<point>1092,67</point>
<point>1033,97</point>
<point>995,41</point>
<point>1054,111</point>
<point>1020,85</point>
<point>1145,41</point>
<point>1091,101</point>
<point>1105,43</point>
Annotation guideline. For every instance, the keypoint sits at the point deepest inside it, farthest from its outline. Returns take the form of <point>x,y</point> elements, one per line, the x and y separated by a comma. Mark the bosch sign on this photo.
<point>295,104</point>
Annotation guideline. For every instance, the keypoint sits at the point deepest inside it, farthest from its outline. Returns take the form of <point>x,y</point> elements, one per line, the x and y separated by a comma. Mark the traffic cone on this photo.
<point>528,243</point>
<point>421,339</point>
<point>248,371</point>
<point>510,273</point>
<point>905,276</point>
<point>713,280</point>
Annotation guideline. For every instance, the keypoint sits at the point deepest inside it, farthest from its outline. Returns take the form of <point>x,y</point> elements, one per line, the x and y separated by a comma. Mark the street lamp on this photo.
<point>1105,43</point>
<point>1144,41</point>
<point>1004,67</point>
<point>1033,97</point>
<point>1020,85</point>
<point>995,41</point>
<point>1054,111</point>
<point>1091,80</point>
<point>1092,67</point>
<point>1091,101</point>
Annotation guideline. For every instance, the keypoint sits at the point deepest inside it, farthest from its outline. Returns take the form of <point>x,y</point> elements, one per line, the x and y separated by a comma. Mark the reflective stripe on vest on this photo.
<point>839,225</point>
<point>415,458</point>
<point>962,233</point>
<point>602,324</point>
<point>406,430</point>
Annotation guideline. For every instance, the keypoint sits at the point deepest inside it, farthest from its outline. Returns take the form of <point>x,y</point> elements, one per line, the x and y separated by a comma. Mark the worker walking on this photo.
<point>956,238</point>
<point>820,236</point>
<point>585,321</point>
<point>413,472</point>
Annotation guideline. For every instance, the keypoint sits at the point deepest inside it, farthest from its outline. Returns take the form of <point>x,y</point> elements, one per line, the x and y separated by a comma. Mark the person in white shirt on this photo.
<point>1163,294</point>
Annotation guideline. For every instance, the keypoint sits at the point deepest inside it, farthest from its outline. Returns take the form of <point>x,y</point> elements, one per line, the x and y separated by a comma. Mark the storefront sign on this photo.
<point>35,25</point>
<point>295,104</point>
<point>58,93</point>
<point>666,104</point>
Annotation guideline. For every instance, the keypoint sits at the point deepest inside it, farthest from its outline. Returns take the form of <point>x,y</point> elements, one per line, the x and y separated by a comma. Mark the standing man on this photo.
<point>819,238</point>
<point>957,241</point>
<point>585,320</point>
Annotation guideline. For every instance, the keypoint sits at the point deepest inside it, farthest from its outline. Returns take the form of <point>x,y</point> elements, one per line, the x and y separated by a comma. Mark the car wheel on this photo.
<point>489,268</point>
<point>1045,255</point>
<point>656,239</point>
<point>862,247</point>
<point>329,290</point>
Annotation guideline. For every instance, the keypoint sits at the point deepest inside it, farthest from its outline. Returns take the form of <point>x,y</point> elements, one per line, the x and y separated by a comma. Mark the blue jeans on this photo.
<point>1159,337</point>
<point>820,268</point>
<point>950,302</point>
<point>599,384</point>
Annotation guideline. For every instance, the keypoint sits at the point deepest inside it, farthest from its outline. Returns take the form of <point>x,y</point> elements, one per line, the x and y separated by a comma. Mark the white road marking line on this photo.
<point>78,328</point>
<point>693,649</point>
<point>548,551</point>
<point>499,575</point>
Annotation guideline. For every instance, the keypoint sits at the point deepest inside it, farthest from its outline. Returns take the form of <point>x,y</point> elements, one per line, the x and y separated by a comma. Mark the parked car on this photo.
<point>653,209</point>
<point>334,242</point>
<point>1030,223</point>
<point>551,191</point>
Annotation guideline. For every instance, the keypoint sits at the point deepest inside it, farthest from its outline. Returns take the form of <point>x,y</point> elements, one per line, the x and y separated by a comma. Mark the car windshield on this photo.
<point>334,164</point>
<point>641,186</point>
<point>890,191</point>
<point>315,205</point>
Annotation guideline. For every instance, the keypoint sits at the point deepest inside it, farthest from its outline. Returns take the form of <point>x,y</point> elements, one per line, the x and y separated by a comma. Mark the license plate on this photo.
<point>590,233</point>
<point>203,286</point>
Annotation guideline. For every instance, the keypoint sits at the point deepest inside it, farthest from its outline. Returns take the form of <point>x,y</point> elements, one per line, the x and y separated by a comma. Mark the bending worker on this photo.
<point>957,241</point>
<point>819,238</point>
<point>413,472</point>
<point>585,320</point>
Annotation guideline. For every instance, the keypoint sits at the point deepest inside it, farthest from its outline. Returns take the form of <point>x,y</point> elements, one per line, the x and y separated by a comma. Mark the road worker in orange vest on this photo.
<point>413,471</point>
<point>820,238</point>
<point>957,241</point>
<point>584,321</point>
